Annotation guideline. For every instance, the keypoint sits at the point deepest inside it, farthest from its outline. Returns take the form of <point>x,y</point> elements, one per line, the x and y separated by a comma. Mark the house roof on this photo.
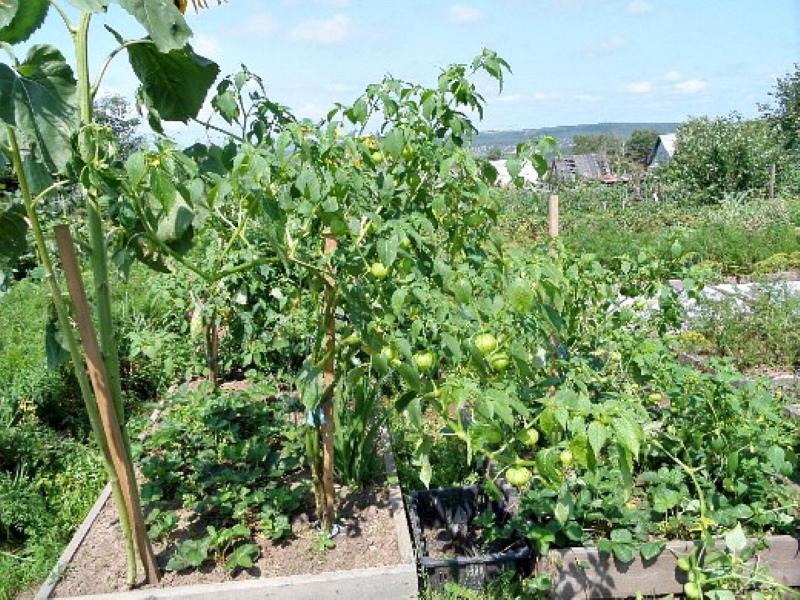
<point>588,166</point>
<point>667,140</point>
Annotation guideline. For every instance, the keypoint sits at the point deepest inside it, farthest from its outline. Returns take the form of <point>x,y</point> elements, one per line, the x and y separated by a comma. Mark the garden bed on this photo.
<point>372,549</point>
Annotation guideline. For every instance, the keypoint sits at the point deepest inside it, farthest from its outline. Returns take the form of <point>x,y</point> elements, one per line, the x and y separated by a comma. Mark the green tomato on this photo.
<point>717,443</point>
<point>377,157</point>
<point>499,362</point>
<point>389,353</point>
<point>493,435</point>
<point>405,243</point>
<point>654,398</point>
<point>684,564</point>
<point>378,270</point>
<point>566,458</point>
<point>518,476</point>
<point>691,590</point>
<point>529,437</point>
<point>486,343</point>
<point>424,360</point>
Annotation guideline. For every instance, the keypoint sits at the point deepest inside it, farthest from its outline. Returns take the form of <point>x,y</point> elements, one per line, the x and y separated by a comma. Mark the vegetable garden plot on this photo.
<point>280,540</point>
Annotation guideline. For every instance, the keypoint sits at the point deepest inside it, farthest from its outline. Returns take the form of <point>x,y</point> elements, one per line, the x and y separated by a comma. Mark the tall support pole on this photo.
<point>105,402</point>
<point>329,381</point>
<point>552,215</point>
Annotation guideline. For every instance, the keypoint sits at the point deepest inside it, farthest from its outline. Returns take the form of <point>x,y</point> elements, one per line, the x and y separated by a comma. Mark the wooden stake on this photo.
<point>552,215</point>
<point>103,394</point>
<point>329,380</point>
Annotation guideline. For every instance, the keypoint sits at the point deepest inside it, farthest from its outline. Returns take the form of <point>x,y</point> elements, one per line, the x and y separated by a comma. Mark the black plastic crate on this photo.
<point>455,509</point>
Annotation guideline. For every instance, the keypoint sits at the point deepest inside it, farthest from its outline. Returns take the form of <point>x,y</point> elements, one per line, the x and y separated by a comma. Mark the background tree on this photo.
<point>784,114</point>
<point>606,143</point>
<point>639,146</point>
<point>723,155</point>
<point>116,112</point>
<point>494,153</point>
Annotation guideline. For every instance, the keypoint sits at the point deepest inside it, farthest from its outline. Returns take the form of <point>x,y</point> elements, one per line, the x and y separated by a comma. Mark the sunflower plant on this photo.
<point>53,141</point>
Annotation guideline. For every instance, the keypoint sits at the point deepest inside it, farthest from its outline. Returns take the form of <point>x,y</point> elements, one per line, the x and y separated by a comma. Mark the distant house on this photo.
<point>528,173</point>
<point>663,151</point>
<point>582,166</point>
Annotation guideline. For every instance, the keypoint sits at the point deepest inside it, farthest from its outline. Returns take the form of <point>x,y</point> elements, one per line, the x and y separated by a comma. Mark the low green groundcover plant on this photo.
<point>227,463</point>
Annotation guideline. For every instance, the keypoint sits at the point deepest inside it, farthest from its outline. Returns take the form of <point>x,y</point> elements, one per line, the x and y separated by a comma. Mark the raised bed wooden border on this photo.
<point>394,582</point>
<point>587,573</point>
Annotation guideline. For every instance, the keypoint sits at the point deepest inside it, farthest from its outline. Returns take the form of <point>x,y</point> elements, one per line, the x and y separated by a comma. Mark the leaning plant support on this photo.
<point>101,383</point>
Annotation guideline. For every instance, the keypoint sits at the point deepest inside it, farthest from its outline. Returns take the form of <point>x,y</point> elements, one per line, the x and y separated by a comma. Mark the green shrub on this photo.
<point>723,155</point>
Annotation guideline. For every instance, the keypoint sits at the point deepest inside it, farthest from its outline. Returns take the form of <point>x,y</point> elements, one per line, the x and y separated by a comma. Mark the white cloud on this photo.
<point>326,32</point>
<point>312,110</point>
<point>690,86</point>
<point>510,99</point>
<point>587,98</point>
<point>673,76</point>
<point>259,24</point>
<point>608,46</point>
<point>640,7</point>
<point>206,45</point>
<point>463,15</point>
<point>640,87</point>
<point>541,96</point>
<point>338,87</point>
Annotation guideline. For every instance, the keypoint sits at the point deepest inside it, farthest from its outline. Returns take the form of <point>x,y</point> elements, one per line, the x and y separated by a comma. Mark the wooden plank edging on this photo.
<point>69,552</point>
<point>587,573</point>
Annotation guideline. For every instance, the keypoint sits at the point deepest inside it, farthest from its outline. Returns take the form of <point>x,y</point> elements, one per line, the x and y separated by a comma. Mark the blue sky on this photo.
<point>574,61</point>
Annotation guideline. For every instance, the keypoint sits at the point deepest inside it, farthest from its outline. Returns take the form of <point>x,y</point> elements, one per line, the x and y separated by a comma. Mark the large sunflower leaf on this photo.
<point>38,98</point>
<point>175,83</point>
<point>13,232</point>
<point>163,21</point>
<point>90,5</point>
<point>20,18</point>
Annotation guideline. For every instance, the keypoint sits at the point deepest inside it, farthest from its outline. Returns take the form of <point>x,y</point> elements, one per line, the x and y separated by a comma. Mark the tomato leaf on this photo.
<point>598,435</point>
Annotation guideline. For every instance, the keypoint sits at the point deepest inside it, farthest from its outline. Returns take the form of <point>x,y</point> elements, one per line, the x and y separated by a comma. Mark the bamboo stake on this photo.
<point>552,215</point>
<point>102,389</point>
<point>329,379</point>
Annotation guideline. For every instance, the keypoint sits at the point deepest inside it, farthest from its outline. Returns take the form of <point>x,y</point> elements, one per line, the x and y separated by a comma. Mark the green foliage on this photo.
<point>359,418</point>
<point>639,146</point>
<point>47,483</point>
<point>175,83</point>
<point>784,114</point>
<point>19,19</point>
<point>231,460</point>
<point>757,333</point>
<point>604,143</point>
<point>164,24</point>
<point>38,96</point>
<point>724,155</point>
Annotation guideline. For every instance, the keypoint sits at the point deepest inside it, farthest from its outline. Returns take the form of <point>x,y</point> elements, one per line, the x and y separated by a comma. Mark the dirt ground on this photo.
<point>367,539</point>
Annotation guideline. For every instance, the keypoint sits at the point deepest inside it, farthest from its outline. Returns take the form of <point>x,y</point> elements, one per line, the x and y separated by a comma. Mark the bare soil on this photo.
<point>367,539</point>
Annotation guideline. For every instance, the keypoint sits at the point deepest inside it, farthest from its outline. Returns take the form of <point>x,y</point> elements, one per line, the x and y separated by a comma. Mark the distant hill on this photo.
<point>507,140</point>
